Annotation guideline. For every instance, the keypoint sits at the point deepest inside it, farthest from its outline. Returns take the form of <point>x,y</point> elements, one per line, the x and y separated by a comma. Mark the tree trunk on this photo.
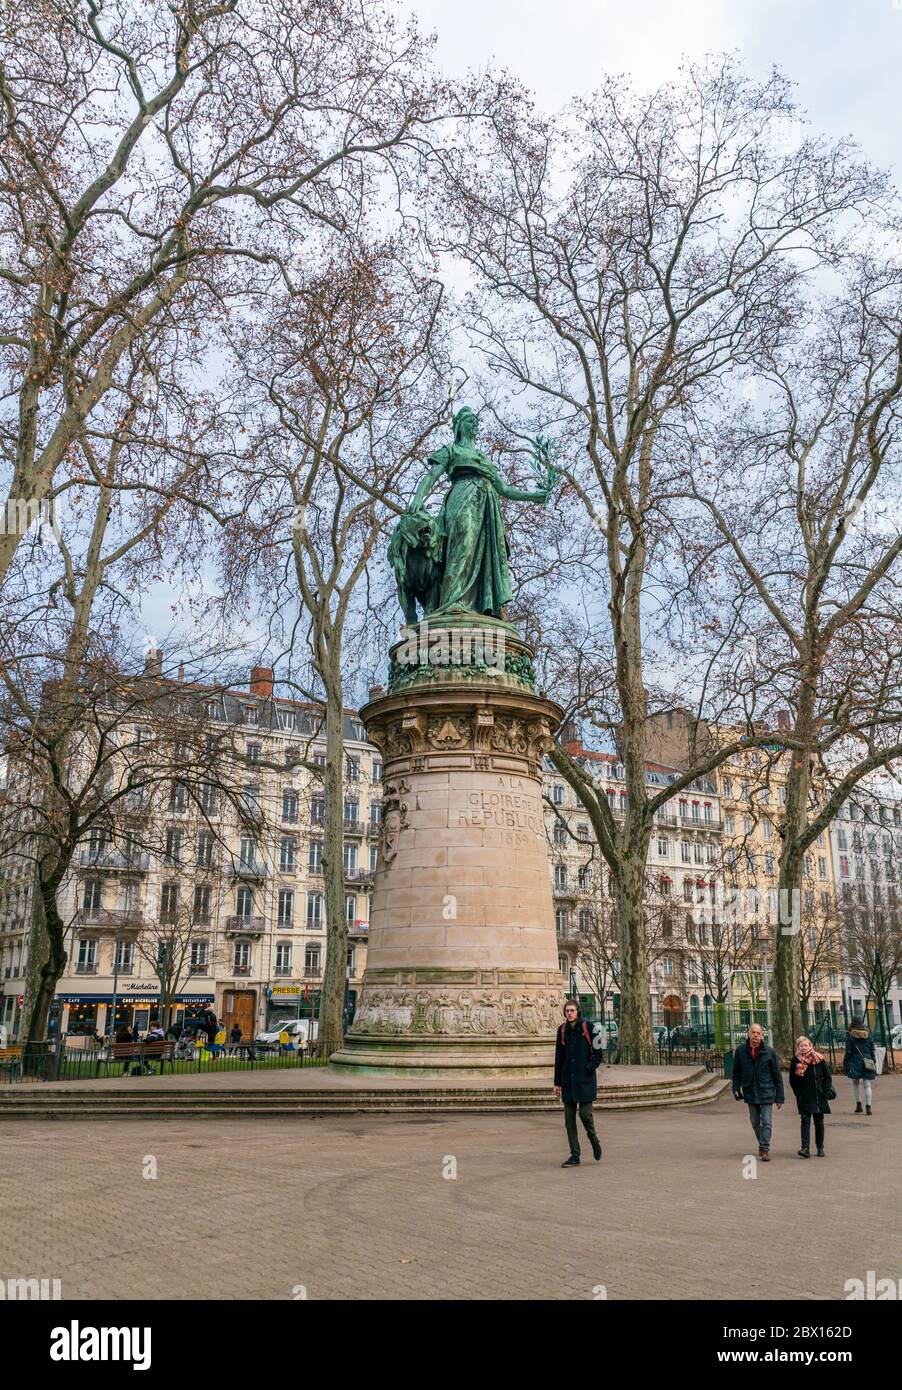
<point>636,1042</point>
<point>54,964</point>
<point>331,1010</point>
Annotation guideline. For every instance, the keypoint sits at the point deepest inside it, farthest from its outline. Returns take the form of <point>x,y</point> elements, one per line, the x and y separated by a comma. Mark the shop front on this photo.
<point>290,999</point>
<point>85,1015</point>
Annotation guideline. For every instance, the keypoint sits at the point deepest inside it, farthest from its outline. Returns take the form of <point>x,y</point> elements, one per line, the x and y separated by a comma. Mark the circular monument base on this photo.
<point>450,1058</point>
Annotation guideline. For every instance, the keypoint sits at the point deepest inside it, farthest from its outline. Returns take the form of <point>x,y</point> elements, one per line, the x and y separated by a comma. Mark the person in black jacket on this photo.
<point>860,1061</point>
<point>575,1061</point>
<point>758,1081</point>
<point>809,1077</point>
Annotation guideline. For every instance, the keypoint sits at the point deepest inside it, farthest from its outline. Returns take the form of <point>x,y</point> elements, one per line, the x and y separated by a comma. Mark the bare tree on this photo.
<point>349,386</point>
<point>161,163</point>
<point>629,258</point>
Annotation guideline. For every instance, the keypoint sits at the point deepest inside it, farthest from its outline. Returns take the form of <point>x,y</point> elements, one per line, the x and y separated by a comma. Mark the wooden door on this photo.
<point>240,1006</point>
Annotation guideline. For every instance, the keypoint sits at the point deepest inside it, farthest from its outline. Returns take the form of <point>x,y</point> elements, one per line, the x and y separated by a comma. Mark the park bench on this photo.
<point>11,1059</point>
<point>160,1050</point>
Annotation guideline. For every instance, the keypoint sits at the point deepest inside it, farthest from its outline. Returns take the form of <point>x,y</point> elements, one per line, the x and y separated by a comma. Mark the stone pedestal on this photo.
<point>462,975</point>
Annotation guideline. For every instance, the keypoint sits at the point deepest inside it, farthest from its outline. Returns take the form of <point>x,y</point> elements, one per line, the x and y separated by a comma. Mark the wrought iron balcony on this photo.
<point>245,926</point>
<point>107,919</point>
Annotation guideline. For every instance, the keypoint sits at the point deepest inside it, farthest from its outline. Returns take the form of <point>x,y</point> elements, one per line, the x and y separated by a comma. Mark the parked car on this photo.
<point>298,1029</point>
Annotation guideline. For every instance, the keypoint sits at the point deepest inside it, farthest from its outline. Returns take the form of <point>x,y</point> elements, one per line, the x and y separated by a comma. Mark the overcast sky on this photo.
<point>845,55</point>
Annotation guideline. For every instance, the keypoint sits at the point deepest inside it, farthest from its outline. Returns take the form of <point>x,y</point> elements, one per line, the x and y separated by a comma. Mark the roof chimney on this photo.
<point>784,721</point>
<point>153,661</point>
<point>261,681</point>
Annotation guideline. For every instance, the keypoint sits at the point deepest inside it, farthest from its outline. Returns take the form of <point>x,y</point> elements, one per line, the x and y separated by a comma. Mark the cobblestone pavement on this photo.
<point>360,1207</point>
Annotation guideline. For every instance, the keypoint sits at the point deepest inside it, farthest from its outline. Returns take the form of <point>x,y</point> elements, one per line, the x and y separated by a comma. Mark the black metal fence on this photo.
<point>62,1060</point>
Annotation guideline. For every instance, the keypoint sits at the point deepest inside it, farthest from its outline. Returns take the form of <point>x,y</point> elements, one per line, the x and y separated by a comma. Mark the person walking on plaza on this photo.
<point>860,1061</point>
<point>758,1081</point>
<point>812,1085</point>
<point>576,1059</point>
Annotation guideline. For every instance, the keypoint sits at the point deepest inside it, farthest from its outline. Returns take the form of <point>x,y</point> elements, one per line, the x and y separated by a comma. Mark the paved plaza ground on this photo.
<point>359,1207</point>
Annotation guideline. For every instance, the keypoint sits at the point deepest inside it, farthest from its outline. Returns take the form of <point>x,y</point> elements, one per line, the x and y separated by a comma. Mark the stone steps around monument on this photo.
<point>133,1102</point>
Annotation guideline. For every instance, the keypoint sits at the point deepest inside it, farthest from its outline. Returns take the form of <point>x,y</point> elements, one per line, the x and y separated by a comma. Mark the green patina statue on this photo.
<point>458,561</point>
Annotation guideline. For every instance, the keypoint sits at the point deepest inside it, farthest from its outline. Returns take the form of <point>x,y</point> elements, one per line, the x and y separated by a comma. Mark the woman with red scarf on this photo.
<point>809,1077</point>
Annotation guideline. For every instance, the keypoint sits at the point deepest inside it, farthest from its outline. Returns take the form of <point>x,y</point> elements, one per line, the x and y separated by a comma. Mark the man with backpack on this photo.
<point>576,1058</point>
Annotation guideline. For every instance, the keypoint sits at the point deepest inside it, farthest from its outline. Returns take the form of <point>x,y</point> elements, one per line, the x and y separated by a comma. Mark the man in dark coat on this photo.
<point>575,1061</point>
<point>758,1081</point>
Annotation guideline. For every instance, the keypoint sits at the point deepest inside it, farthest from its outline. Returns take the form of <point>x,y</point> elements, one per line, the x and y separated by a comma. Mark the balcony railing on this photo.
<point>86,967</point>
<point>255,870</point>
<point>110,919</point>
<point>354,827</point>
<point>359,875</point>
<point>247,926</point>
<point>113,859</point>
<point>311,972</point>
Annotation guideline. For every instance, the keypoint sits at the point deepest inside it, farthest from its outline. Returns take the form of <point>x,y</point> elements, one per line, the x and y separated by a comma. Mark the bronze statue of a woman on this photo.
<point>458,561</point>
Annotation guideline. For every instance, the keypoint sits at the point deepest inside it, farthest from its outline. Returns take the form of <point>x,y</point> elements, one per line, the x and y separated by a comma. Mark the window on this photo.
<point>727,786</point>
<point>319,757</point>
<point>821,867</point>
<point>244,903</point>
<point>283,958</point>
<point>124,957</point>
<point>241,960</point>
<point>247,852</point>
<point>698,853</point>
<point>205,849</point>
<point>178,796</point>
<point>664,887</point>
<point>253,752</point>
<point>352,769</point>
<point>209,796</point>
<point>766,829</point>
<point>375,813</point>
<point>747,825</point>
<point>169,902</point>
<point>687,890</point>
<point>560,833</point>
<point>312,960</point>
<point>561,917</point>
<point>203,894</point>
<point>214,710</point>
<point>584,876</point>
<point>377,771</point>
<point>351,808</point>
<point>292,754</point>
<point>374,855</point>
<point>582,830</point>
<point>557,794</point>
<point>315,855</point>
<point>288,719</point>
<point>289,805</point>
<point>314,910</point>
<point>662,848</point>
<point>843,866</point>
<point>667,966</point>
<point>173,854</point>
<point>781,795</point>
<point>93,895</point>
<point>560,876</point>
<point>685,852</point>
<point>350,908</point>
<point>349,859</point>
<point>317,810</point>
<point>287,849</point>
<point>286,907</point>
<point>251,714</point>
<point>769,863</point>
<point>87,957</point>
<point>728,825</point>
